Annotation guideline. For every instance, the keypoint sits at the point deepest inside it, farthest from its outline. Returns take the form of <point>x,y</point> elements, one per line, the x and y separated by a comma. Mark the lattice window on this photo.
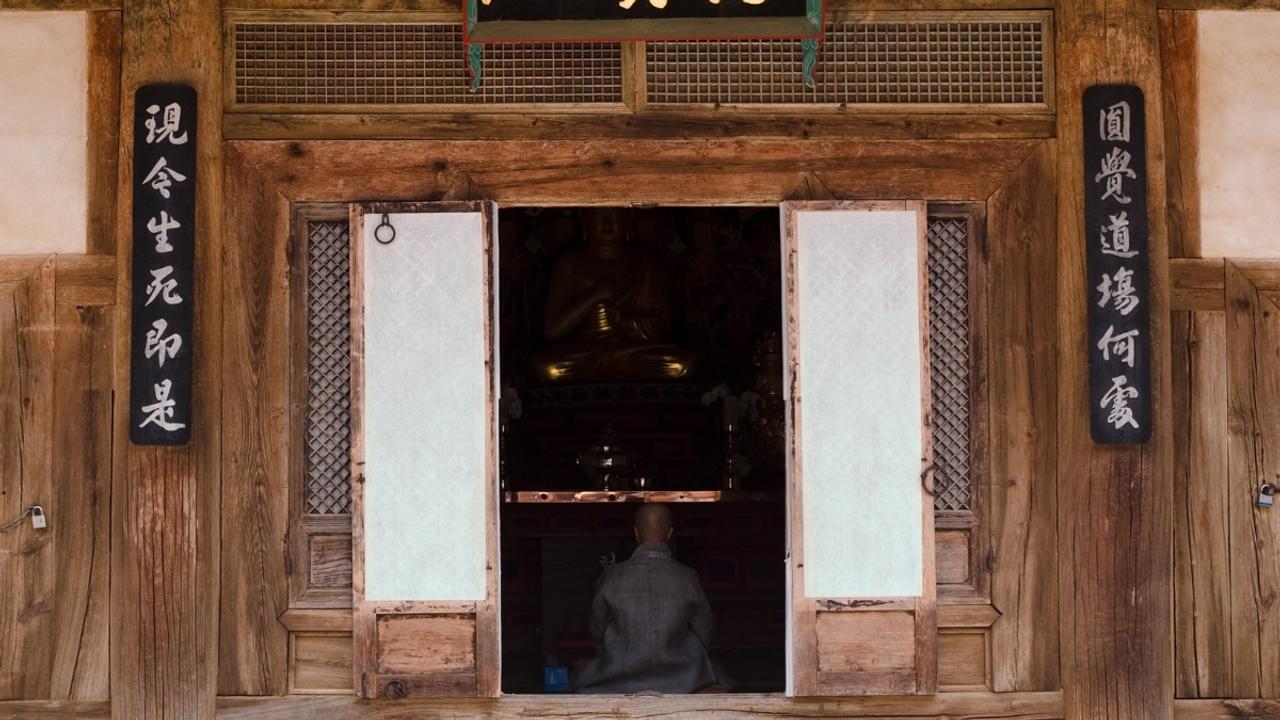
<point>327,483</point>
<point>411,64</point>
<point>949,360</point>
<point>868,62</point>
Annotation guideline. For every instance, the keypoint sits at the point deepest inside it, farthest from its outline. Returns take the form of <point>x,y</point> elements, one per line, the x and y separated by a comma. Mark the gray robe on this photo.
<point>651,623</point>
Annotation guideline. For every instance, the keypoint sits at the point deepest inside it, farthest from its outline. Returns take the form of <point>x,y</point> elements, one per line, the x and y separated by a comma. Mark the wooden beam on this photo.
<point>103,130</point>
<point>1196,283</point>
<point>1226,710</point>
<point>1115,505</point>
<point>55,710</point>
<point>466,125</point>
<point>1220,4</point>
<point>252,644</point>
<point>91,5</point>
<point>165,529</point>
<point>1022,334</point>
<point>991,706</point>
<point>600,172</point>
<point>1180,83</point>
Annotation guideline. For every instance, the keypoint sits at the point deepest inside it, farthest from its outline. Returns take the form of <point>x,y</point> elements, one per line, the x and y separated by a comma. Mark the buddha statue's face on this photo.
<point>605,226</point>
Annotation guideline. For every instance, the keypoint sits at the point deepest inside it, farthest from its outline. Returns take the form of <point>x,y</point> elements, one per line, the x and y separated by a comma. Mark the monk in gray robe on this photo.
<point>650,620</point>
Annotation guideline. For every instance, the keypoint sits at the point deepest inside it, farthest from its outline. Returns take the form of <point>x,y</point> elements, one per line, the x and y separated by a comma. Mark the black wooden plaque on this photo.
<point>537,10</point>
<point>589,20</point>
<point>163,291</point>
<point>1117,266</point>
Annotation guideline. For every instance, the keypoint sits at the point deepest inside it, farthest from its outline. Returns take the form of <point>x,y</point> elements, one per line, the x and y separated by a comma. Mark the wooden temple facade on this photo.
<point>1073,579</point>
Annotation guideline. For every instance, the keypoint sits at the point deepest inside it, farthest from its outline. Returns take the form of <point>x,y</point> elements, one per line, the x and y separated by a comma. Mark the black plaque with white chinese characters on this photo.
<point>164,221</point>
<point>1117,273</point>
<point>584,20</point>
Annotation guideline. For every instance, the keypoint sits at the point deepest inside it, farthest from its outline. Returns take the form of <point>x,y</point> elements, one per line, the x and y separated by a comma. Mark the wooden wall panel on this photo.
<point>252,644</point>
<point>55,418</point>
<point>81,520</point>
<point>26,463</point>
<point>1022,331</point>
<point>1253,452</point>
<point>321,663</point>
<point>165,524</point>
<point>1202,579</point>
<point>1115,510</point>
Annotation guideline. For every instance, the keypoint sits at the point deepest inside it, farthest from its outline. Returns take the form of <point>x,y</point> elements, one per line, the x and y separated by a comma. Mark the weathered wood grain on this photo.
<point>712,125</point>
<point>104,129</point>
<point>80,511</point>
<point>597,172</point>
<point>1226,710</point>
<point>1253,452</point>
<point>1180,92</point>
<point>252,644</point>
<point>321,663</point>
<point>1022,331</point>
<point>28,567</point>
<point>1114,507</point>
<point>954,706</point>
<point>1202,517</point>
<point>55,710</point>
<point>165,524</point>
<point>1196,284</point>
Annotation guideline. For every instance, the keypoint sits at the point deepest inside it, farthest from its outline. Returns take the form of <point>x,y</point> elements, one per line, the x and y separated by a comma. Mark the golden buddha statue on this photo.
<point>608,313</point>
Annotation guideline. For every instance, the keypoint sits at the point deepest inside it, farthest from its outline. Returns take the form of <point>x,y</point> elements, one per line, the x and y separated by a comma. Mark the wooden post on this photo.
<point>1115,502</point>
<point>164,588</point>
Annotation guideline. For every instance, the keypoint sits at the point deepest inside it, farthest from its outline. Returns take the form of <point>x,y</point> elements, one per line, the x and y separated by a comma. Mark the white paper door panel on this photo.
<point>861,438</point>
<point>425,391</point>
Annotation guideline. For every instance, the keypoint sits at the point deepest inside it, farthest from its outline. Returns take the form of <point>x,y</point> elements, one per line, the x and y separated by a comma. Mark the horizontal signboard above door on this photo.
<point>570,20</point>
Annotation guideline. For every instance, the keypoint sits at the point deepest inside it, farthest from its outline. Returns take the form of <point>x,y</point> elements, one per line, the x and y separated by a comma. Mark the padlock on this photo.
<point>37,517</point>
<point>1266,495</point>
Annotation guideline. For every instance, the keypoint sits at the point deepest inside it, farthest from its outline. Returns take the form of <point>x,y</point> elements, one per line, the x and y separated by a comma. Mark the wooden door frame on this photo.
<point>265,180</point>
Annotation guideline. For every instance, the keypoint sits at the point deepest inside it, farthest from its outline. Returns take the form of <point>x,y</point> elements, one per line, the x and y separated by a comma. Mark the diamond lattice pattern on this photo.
<point>328,439</point>
<point>949,360</point>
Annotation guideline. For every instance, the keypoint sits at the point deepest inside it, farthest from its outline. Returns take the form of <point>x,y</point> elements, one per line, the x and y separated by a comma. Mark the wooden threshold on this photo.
<point>995,706</point>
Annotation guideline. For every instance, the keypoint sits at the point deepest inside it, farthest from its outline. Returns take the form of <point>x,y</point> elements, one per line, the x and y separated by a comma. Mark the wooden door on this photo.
<point>424,446</point>
<point>860,555</point>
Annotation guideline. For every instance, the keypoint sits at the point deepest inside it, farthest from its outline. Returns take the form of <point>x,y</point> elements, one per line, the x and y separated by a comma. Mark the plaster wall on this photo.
<point>44,92</point>
<point>1239,74</point>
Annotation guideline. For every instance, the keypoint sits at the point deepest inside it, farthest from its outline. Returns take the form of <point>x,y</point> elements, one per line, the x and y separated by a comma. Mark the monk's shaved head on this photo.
<point>653,523</point>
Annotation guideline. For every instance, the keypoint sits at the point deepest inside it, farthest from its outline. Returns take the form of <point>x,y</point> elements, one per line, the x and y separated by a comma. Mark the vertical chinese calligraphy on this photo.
<point>1117,277</point>
<point>163,271</point>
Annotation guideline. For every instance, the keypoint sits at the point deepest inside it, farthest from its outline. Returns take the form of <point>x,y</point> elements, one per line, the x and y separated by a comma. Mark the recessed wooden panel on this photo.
<point>330,557</point>
<point>953,557</point>
<point>962,660</point>
<point>860,641</point>
<point>425,644</point>
<point>321,663</point>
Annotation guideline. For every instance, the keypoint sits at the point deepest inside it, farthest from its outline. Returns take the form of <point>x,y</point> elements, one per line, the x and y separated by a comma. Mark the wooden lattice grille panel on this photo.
<point>911,62</point>
<point>327,484</point>
<point>949,361</point>
<point>333,64</point>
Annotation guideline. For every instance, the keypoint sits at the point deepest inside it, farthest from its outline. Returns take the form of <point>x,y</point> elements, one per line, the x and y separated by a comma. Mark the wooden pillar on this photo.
<point>164,588</point>
<point>1115,502</point>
